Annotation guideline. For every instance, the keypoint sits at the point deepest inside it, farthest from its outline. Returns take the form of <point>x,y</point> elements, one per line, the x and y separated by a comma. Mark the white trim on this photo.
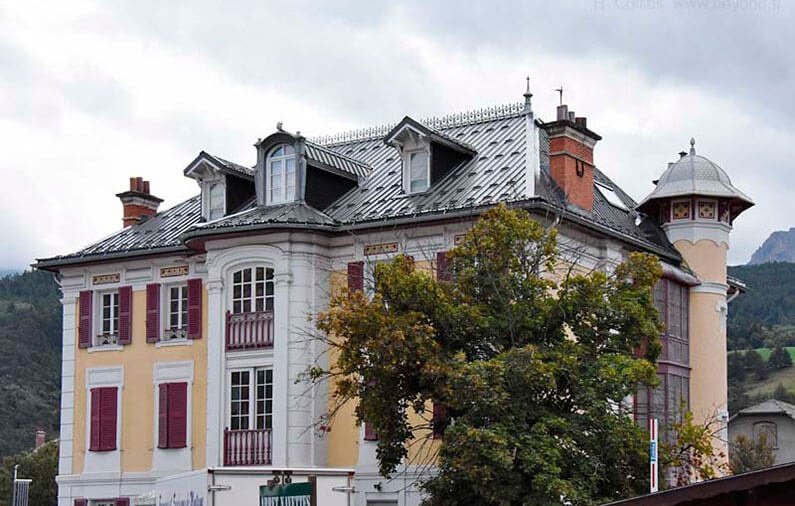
<point>173,459</point>
<point>694,231</point>
<point>406,155</point>
<point>269,200</point>
<point>107,347</point>
<point>104,461</point>
<point>174,342</point>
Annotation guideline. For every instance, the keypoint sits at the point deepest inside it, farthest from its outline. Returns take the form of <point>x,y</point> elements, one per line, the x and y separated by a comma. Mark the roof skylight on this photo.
<point>611,196</point>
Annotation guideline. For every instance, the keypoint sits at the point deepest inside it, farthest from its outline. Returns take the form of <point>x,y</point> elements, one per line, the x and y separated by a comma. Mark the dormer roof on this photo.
<point>408,124</point>
<point>218,164</point>
<point>333,161</point>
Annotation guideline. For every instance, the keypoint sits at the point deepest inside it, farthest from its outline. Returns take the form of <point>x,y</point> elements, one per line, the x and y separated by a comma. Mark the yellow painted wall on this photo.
<point>706,258</point>
<point>138,394</point>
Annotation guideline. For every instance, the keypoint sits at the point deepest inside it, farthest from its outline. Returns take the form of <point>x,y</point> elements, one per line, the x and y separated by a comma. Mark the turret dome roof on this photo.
<point>693,174</point>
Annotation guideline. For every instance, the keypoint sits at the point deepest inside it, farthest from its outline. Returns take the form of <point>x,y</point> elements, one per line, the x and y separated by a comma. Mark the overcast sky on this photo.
<point>92,92</point>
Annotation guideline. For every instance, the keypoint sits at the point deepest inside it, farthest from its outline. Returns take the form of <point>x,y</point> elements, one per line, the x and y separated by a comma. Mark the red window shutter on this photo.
<point>81,502</point>
<point>153,313</point>
<point>442,268</point>
<point>369,433</point>
<point>123,501</point>
<point>177,415</point>
<point>195,308</point>
<point>84,328</point>
<point>107,418</point>
<point>162,416</point>
<point>440,419</point>
<point>94,444</point>
<point>355,276</point>
<point>125,315</point>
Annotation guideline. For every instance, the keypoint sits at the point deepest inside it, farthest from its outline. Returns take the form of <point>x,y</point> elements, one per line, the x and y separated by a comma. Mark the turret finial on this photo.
<point>692,145</point>
<point>527,96</point>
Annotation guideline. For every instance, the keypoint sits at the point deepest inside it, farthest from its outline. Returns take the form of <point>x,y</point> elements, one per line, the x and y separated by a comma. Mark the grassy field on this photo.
<point>784,376</point>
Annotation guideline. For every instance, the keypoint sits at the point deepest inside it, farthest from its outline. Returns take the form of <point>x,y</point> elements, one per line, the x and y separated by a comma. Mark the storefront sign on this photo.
<point>294,494</point>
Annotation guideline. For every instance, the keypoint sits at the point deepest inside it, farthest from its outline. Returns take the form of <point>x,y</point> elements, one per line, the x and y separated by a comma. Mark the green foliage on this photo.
<point>746,455</point>
<point>691,455</point>
<point>41,466</point>
<point>756,365</point>
<point>30,337</point>
<point>779,358</point>
<point>537,416</point>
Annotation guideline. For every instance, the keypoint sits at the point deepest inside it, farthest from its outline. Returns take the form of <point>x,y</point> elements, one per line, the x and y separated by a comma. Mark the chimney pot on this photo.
<point>581,122</point>
<point>41,438</point>
<point>138,203</point>
<point>563,112</point>
<point>682,154</point>
<point>571,116</point>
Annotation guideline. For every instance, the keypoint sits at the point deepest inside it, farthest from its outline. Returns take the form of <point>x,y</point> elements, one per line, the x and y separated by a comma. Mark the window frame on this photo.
<point>284,188</point>
<point>407,178</point>
<point>165,311</point>
<point>268,296</point>
<point>759,426</point>
<point>101,338</point>
<point>252,416</point>
<point>188,414</point>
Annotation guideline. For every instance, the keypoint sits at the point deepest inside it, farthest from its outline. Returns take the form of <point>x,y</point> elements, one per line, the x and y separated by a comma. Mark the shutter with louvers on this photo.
<point>153,313</point>
<point>355,276</point>
<point>81,502</point>
<point>369,433</point>
<point>107,418</point>
<point>440,419</point>
<point>162,416</point>
<point>125,315</point>
<point>194,308</point>
<point>123,501</point>
<point>84,329</point>
<point>96,400</point>
<point>442,268</point>
<point>177,415</point>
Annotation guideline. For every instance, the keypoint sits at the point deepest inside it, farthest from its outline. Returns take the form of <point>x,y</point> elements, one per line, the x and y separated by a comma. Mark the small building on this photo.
<point>775,419</point>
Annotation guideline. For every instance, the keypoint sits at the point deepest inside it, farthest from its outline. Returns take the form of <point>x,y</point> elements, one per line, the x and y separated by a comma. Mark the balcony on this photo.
<point>247,447</point>
<point>249,331</point>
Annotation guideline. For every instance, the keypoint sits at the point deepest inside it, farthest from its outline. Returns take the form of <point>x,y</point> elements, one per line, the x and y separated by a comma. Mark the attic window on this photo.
<point>419,173</point>
<point>611,196</point>
<point>280,174</point>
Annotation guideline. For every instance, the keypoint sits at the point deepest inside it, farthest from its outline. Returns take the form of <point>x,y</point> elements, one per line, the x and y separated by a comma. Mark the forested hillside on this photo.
<point>765,316</point>
<point>30,357</point>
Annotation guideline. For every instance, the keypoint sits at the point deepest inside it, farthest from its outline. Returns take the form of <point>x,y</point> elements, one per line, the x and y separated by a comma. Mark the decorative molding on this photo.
<point>105,377</point>
<point>711,287</point>
<point>166,372</point>
<point>438,123</point>
<point>174,271</point>
<point>381,248</point>
<point>106,279</point>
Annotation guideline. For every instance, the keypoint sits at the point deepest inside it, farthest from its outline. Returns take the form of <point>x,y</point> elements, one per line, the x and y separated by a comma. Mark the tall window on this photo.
<point>252,290</point>
<point>177,312</point>
<point>280,174</point>
<point>251,399</point>
<point>418,171</point>
<point>769,431</point>
<point>672,302</point>
<point>110,318</point>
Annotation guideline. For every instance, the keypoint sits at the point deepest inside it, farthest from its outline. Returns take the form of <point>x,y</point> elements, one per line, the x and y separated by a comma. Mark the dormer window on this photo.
<point>280,174</point>
<point>419,173</point>
<point>216,200</point>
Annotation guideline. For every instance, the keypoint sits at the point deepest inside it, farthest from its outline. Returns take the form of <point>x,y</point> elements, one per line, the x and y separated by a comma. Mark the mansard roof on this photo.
<point>496,173</point>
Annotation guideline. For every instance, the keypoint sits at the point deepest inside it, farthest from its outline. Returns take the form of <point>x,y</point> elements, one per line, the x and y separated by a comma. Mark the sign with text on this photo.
<point>106,279</point>
<point>173,271</point>
<point>381,248</point>
<point>293,494</point>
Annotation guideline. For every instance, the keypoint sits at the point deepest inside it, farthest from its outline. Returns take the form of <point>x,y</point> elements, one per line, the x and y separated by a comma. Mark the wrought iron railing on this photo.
<point>246,331</point>
<point>247,447</point>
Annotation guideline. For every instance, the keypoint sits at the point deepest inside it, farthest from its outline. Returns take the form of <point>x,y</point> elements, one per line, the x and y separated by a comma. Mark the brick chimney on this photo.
<point>41,438</point>
<point>571,156</point>
<point>138,202</point>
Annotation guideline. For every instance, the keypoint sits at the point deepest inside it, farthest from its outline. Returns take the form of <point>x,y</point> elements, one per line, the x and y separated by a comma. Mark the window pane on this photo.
<point>289,165</point>
<point>276,168</point>
<point>289,150</point>
<point>278,151</point>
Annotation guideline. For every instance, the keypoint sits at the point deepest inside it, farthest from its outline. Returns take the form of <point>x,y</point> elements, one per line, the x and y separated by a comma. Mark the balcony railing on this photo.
<point>249,331</point>
<point>247,447</point>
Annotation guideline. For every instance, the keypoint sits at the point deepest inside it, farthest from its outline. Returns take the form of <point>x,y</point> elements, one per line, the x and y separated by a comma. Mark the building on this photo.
<point>775,419</point>
<point>184,332</point>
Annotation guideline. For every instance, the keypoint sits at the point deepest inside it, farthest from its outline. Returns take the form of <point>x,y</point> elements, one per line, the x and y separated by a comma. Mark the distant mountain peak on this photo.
<point>779,247</point>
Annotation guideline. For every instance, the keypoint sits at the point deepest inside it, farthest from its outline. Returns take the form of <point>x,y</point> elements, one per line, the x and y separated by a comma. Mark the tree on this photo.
<point>747,455</point>
<point>755,364</point>
<point>538,417</point>
<point>779,358</point>
<point>736,364</point>
<point>39,465</point>
<point>690,454</point>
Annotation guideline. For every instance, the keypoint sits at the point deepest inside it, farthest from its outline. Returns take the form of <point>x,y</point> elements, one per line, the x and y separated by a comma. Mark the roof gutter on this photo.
<point>55,264</point>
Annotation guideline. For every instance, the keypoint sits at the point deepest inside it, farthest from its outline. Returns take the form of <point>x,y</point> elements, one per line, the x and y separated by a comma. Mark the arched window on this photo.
<point>770,432</point>
<point>280,174</point>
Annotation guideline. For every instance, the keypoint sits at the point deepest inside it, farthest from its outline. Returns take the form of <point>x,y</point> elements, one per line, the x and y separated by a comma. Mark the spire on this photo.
<point>692,146</point>
<point>527,96</point>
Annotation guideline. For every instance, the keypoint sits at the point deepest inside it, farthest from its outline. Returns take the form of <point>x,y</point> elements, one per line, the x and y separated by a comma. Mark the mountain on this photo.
<point>779,247</point>
<point>30,358</point>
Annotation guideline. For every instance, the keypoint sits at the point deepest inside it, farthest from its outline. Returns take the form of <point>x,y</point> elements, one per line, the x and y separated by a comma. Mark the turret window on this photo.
<point>280,174</point>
